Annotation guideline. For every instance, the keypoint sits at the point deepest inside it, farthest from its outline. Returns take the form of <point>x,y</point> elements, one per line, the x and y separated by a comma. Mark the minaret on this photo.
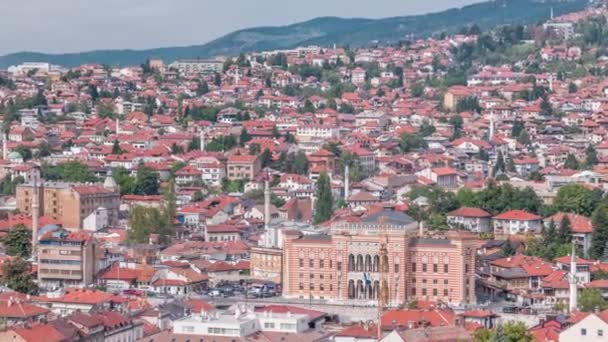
<point>551,13</point>
<point>551,83</point>
<point>491,134</point>
<point>5,147</point>
<point>237,76</point>
<point>117,126</point>
<point>202,139</point>
<point>346,181</point>
<point>572,280</point>
<point>266,204</point>
<point>35,213</point>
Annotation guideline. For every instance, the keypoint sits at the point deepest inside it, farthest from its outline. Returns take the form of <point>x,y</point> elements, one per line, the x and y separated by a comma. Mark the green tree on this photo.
<point>599,236</point>
<point>72,171</point>
<point>571,162</point>
<point>194,144</point>
<point>147,181</point>
<point>517,128</point>
<point>550,233</point>
<point>576,198</point>
<point>409,142</point>
<point>499,167</point>
<point>18,242</point>
<point>116,149</point>
<point>507,249</point>
<point>300,163</point>
<point>591,299</point>
<point>325,202</point>
<point>564,233</point>
<point>591,158</point>
<point>244,137</point>
<point>516,332</point>
<point>466,198</point>
<point>25,152</point>
<point>198,196</point>
<point>417,89</point>
<point>266,158</point>
<point>143,222</point>
<point>44,150</point>
<point>17,275</point>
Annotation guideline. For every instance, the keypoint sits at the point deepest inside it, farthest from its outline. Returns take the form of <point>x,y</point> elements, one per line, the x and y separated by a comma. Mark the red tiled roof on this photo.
<point>578,223</point>
<point>402,318</point>
<point>16,308</point>
<point>40,332</point>
<point>469,212</point>
<point>519,215</point>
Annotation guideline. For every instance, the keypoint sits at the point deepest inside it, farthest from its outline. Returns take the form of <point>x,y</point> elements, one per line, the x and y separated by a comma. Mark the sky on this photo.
<point>60,26</point>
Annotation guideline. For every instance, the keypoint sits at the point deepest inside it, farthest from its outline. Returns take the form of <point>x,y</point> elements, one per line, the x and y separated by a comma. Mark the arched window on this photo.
<point>351,262</point>
<point>368,263</point>
<point>359,263</point>
<point>376,263</point>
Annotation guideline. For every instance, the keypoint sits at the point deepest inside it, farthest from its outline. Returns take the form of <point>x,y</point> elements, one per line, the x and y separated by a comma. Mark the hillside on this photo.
<point>324,31</point>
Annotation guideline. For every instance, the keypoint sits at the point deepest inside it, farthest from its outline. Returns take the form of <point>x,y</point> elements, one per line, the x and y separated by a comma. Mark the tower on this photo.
<point>572,280</point>
<point>346,182</point>
<point>35,213</point>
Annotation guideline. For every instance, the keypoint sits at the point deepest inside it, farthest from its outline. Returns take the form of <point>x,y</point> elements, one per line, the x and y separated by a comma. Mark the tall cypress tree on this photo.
<point>549,233</point>
<point>564,234</point>
<point>325,202</point>
<point>599,237</point>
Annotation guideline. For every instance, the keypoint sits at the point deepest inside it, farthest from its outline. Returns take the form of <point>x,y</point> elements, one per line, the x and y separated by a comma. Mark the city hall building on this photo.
<point>344,263</point>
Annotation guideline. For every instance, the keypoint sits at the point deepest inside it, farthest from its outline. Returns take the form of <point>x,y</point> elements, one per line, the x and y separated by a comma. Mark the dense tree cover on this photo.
<point>236,185</point>
<point>292,163</point>
<point>599,236</point>
<point>409,142</point>
<point>324,205</point>
<point>145,221</point>
<point>17,275</point>
<point>72,171</point>
<point>554,242</point>
<point>508,249</point>
<point>222,143</point>
<point>507,332</point>
<point>571,162</point>
<point>258,197</point>
<point>146,182</point>
<point>440,202</point>
<point>499,198</point>
<point>25,152</point>
<point>202,113</point>
<point>576,198</point>
<point>590,300</point>
<point>18,241</point>
<point>9,184</point>
<point>468,104</point>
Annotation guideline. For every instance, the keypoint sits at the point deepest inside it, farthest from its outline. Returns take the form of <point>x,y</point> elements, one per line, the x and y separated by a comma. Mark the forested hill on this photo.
<point>325,31</point>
